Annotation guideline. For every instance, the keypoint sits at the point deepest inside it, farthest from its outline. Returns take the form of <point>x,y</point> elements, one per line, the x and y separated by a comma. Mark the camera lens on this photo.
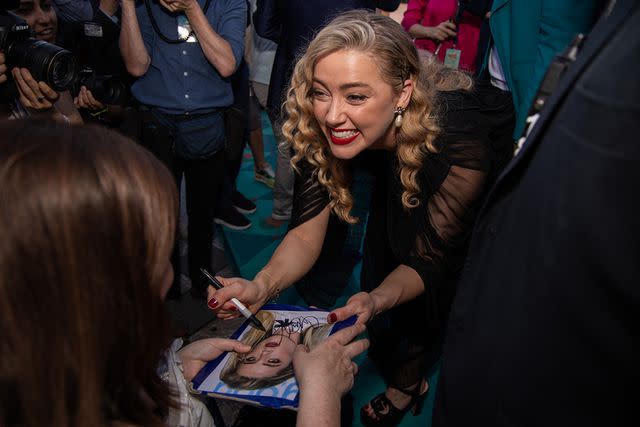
<point>62,70</point>
<point>106,89</point>
<point>46,62</point>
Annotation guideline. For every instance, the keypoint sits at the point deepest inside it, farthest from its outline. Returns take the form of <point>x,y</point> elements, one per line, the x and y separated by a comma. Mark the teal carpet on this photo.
<point>251,249</point>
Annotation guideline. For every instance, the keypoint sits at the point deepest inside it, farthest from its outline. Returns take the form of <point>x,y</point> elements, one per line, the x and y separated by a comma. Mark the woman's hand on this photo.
<point>361,304</point>
<point>33,94</point>
<point>251,294</point>
<point>195,355</point>
<point>327,370</point>
<point>86,100</point>
<point>442,31</point>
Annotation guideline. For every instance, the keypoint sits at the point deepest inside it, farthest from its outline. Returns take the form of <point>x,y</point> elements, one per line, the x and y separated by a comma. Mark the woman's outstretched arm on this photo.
<point>292,259</point>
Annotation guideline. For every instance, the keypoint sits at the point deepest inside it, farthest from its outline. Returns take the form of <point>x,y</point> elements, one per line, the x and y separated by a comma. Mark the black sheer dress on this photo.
<point>473,146</point>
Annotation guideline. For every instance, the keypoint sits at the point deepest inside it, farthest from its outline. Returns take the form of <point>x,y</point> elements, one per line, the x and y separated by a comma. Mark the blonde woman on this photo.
<point>269,362</point>
<point>361,92</point>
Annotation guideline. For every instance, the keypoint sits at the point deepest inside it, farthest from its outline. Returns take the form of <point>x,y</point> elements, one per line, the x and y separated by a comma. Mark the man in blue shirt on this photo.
<point>74,10</point>
<point>183,52</point>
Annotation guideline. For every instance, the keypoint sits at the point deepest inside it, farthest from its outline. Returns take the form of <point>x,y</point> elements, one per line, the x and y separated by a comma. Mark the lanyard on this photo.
<point>556,70</point>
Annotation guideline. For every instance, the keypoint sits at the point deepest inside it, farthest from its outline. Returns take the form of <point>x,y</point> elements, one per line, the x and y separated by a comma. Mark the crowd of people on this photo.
<point>498,239</point>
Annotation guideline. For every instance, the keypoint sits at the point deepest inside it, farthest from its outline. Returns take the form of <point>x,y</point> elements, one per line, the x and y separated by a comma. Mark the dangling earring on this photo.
<point>398,113</point>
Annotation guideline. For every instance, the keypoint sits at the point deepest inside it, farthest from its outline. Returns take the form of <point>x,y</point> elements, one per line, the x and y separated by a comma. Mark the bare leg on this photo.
<point>262,170</point>
<point>257,149</point>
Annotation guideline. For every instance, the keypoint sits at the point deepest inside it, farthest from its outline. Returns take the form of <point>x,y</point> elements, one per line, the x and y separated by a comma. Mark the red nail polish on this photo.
<point>234,308</point>
<point>333,318</point>
<point>212,303</point>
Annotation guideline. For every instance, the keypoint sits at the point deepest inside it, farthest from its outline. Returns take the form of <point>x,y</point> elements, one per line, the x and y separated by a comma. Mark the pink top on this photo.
<point>430,13</point>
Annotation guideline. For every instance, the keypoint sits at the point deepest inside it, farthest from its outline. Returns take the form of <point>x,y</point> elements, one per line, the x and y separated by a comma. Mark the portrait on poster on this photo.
<point>264,376</point>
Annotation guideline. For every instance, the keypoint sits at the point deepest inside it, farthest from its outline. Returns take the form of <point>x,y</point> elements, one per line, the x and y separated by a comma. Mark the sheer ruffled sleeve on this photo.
<point>309,196</point>
<point>433,240</point>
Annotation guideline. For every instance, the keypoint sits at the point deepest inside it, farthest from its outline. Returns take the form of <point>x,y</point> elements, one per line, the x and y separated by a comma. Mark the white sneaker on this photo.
<point>266,176</point>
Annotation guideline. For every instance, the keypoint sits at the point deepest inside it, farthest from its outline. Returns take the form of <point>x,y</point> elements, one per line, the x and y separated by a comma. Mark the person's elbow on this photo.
<point>136,61</point>
<point>227,68</point>
<point>412,28</point>
<point>138,68</point>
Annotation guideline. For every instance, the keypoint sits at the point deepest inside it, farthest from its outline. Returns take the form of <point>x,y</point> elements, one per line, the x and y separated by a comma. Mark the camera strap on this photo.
<point>17,110</point>
<point>164,38</point>
<point>453,54</point>
<point>554,73</point>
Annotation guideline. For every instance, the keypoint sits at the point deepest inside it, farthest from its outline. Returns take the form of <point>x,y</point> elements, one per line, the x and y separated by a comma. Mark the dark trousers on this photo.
<point>236,131</point>
<point>203,184</point>
<point>236,123</point>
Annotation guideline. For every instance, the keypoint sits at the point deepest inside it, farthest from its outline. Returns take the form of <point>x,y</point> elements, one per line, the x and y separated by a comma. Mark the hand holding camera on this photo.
<point>85,99</point>
<point>33,94</point>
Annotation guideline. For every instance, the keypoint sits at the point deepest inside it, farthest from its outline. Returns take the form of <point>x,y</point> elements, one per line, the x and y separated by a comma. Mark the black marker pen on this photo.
<point>241,307</point>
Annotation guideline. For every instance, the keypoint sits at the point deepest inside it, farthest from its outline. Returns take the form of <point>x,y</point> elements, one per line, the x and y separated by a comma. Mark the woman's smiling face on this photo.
<point>353,105</point>
<point>269,357</point>
<point>41,17</point>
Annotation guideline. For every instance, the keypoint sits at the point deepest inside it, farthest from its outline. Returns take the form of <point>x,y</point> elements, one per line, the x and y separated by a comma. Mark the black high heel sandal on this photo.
<point>387,415</point>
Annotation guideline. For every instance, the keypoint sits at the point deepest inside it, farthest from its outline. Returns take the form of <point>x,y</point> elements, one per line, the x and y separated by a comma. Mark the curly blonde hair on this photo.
<point>310,337</point>
<point>397,59</point>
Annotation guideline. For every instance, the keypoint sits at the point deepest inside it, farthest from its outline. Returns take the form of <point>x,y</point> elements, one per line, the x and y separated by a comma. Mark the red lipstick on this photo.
<point>342,141</point>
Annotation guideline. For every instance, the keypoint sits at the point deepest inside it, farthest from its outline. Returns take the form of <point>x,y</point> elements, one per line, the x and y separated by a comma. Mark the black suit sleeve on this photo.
<point>478,7</point>
<point>266,20</point>
<point>388,5</point>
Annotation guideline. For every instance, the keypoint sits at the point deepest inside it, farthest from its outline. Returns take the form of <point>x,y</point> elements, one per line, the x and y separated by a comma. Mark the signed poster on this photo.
<point>265,376</point>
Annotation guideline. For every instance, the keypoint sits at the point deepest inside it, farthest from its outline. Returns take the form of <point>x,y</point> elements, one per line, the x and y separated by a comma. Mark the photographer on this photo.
<point>37,97</point>
<point>184,90</point>
<point>103,90</point>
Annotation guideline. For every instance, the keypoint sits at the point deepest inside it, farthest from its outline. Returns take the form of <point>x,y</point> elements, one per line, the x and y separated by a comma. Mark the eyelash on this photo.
<point>317,93</point>
<point>352,98</point>
<point>356,99</point>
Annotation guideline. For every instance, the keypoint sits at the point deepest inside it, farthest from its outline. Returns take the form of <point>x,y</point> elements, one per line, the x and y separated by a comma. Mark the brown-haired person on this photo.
<point>361,90</point>
<point>88,220</point>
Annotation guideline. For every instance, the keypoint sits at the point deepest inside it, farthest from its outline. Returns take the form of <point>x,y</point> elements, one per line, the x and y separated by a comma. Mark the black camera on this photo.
<point>108,89</point>
<point>46,62</point>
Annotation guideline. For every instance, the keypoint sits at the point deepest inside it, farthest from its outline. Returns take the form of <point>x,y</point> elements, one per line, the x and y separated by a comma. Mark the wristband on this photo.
<point>98,114</point>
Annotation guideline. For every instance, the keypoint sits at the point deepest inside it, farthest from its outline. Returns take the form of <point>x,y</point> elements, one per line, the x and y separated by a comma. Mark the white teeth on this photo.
<point>344,133</point>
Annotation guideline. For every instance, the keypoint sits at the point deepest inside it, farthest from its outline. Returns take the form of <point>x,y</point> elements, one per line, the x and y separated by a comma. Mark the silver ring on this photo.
<point>40,98</point>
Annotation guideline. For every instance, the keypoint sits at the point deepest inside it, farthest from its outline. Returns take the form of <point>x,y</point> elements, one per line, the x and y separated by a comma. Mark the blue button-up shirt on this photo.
<point>180,78</point>
<point>74,10</point>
